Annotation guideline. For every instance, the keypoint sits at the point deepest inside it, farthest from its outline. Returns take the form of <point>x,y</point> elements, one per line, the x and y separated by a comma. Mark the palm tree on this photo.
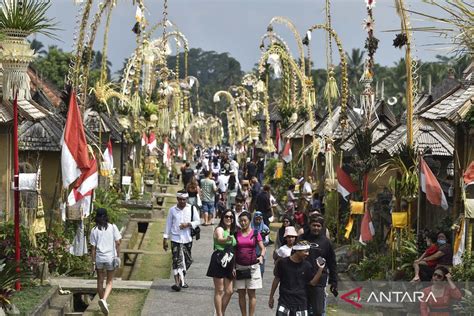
<point>38,47</point>
<point>355,65</point>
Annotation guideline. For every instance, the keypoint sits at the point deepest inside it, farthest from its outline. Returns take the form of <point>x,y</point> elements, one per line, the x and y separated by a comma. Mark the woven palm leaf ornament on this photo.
<point>88,50</point>
<point>405,39</point>
<point>344,80</point>
<point>367,98</point>
<point>331,91</point>
<point>18,20</point>
<point>236,125</point>
<point>82,19</point>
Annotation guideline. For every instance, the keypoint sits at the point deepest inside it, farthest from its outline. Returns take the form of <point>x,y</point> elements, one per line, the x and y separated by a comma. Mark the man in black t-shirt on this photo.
<point>320,247</point>
<point>293,274</point>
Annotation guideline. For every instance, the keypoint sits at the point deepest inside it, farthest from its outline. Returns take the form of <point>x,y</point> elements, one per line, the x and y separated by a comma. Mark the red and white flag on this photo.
<point>345,186</point>
<point>108,156</point>
<point>431,186</point>
<point>74,153</point>
<point>151,141</point>
<point>367,230</point>
<point>287,155</point>
<point>85,185</point>
<point>278,141</point>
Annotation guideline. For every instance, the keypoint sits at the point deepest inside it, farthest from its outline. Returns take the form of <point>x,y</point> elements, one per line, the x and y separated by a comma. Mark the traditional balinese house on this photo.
<point>27,110</point>
<point>448,114</point>
<point>41,124</point>
<point>437,129</point>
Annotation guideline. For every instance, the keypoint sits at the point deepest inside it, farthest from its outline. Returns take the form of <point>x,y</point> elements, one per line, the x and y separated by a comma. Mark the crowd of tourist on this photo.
<point>234,198</point>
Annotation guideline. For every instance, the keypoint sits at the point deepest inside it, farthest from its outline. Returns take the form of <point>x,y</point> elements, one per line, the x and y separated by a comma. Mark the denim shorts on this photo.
<point>109,266</point>
<point>208,207</point>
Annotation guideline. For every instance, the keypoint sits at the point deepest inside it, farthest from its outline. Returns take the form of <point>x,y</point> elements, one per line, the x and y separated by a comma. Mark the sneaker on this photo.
<point>185,286</point>
<point>104,306</point>
<point>176,288</point>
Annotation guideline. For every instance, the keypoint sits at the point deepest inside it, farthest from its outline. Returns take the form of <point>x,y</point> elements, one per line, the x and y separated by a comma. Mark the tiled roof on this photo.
<point>425,136</point>
<point>453,107</point>
<point>28,109</point>
<point>45,134</point>
<point>50,90</point>
<point>5,114</point>
<point>114,126</point>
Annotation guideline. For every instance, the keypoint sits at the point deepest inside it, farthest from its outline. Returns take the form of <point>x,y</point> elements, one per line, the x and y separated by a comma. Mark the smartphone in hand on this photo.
<point>321,261</point>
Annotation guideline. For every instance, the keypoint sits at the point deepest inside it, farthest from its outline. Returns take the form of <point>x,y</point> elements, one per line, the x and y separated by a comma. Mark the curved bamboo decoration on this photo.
<point>237,117</point>
<point>344,79</point>
<point>88,58</point>
<point>155,27</point>
<point>130,70</point>
<point>294,70</point>
<point>284,56</point>
<point>74,66</point>
<point>274,38</point>
<point>288,23</point>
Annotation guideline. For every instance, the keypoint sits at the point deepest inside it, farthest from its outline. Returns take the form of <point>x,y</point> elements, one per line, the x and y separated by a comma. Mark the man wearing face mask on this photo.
<point>320,247</point>
<point>444,257</point>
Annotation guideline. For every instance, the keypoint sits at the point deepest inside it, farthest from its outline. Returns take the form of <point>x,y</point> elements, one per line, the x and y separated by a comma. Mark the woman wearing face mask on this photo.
<point>259,226</point>
<point>440,295</point>
<point>444,256</point>
<point>285,250</point>
<point>432,249</point>
<point>247,270</point>
<point>285,222</point>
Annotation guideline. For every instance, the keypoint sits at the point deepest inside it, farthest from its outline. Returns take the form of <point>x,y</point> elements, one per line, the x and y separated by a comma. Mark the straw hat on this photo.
<point>290,231</point>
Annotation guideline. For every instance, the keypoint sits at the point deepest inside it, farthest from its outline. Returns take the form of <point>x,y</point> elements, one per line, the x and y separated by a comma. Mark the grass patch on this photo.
<point>30,297</point>
<point>121,302</point>
<point>157,265</point>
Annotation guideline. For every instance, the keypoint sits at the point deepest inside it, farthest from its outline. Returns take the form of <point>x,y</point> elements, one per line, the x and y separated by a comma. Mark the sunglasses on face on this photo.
<point>438,275</point>
<point>229,217</point>
<point>182,199</point>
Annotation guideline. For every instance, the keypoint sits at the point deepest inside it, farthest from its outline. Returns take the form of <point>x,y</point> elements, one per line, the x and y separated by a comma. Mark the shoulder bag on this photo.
<point>195,232</point>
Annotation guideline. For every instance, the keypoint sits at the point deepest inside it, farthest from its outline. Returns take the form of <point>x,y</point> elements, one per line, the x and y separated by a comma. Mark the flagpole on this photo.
<point>16,192</point>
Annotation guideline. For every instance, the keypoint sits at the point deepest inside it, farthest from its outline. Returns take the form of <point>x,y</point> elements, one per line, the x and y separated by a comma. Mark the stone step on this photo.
<point>60,304</point>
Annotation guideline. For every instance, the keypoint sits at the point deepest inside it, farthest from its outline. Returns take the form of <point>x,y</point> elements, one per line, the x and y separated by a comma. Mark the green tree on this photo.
<point>215,71</point>
<point>55,66</point>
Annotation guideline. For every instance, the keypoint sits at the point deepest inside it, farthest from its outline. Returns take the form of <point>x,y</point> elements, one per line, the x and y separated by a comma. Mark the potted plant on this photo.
<point>18,20</point>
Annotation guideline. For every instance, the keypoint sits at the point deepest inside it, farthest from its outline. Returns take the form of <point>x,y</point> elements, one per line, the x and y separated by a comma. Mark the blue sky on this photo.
<point>236,26</point>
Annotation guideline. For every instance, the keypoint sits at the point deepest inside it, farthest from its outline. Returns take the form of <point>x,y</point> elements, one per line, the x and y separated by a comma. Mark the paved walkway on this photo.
<point>198,298</point>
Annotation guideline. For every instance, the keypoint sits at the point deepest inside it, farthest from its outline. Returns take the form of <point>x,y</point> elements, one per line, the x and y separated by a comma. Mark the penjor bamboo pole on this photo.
<point>409,86</point>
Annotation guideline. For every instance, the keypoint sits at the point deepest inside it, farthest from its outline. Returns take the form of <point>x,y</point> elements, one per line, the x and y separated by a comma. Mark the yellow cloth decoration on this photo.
<point>459,235</point>
<point>349,226</point>
<point>279,170</point>
<point>357,208</point>
<point>400,219</point>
